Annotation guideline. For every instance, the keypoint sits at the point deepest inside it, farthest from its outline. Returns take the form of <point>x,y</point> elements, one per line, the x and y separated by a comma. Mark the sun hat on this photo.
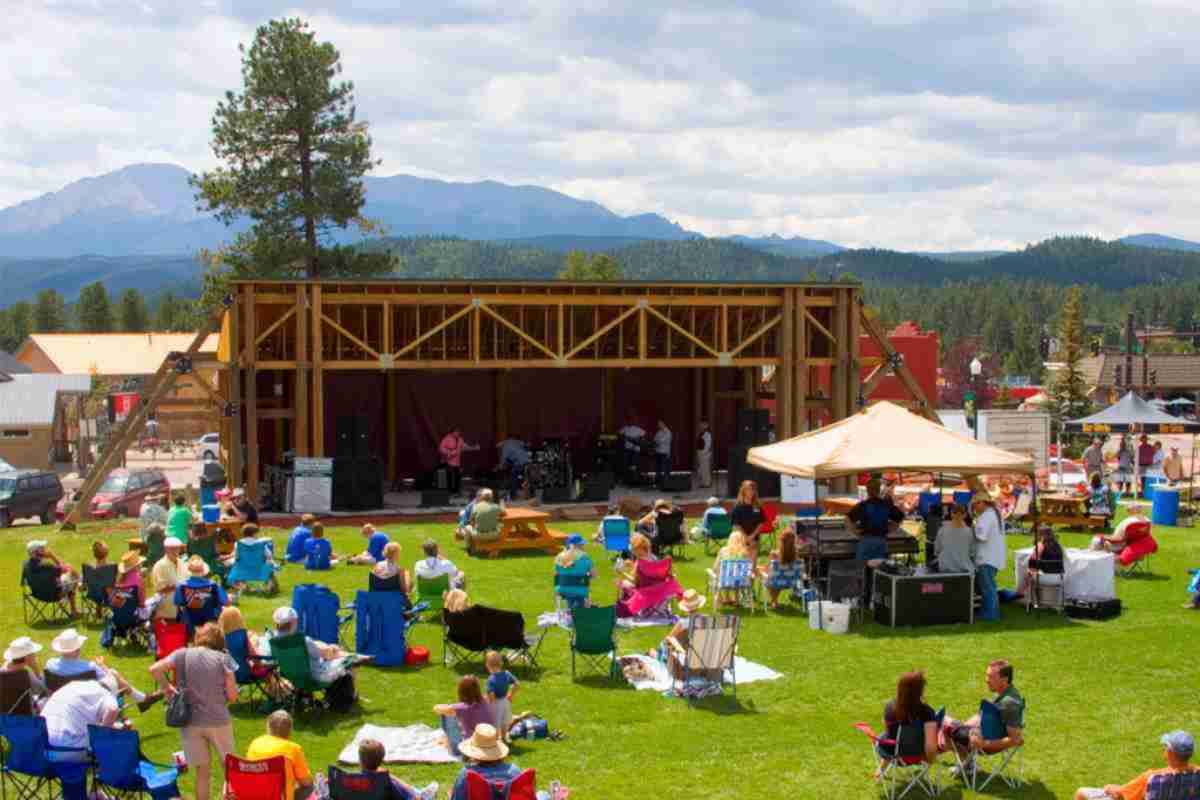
<point>284,615</point>
<point>1180,743</point>
<point>172,541</point>
<point>196,566</point>
<point>691,601</point>
<point>130,560</point>
<point>21,646</point>
<point>69,641</point>
<point>575,540</point>
<point>484,745</point>
<point>35,545</point>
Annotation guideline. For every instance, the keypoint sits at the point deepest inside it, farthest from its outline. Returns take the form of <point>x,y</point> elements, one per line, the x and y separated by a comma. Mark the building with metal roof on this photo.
<point>32,423</point>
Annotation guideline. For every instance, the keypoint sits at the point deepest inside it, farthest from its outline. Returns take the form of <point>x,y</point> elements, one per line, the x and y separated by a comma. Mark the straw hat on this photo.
<point>197,567</point>
<point>21,646</point>
<point>484,745</point>
<point>131,560</point>
<point>692,601</point>
<point>69,641</point>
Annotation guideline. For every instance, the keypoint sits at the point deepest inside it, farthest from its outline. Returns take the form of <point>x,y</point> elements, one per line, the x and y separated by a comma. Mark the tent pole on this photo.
<point>1060,460</point>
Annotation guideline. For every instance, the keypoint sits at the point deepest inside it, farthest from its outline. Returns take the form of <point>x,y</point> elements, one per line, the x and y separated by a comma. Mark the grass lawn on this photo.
<point>1099,694</point>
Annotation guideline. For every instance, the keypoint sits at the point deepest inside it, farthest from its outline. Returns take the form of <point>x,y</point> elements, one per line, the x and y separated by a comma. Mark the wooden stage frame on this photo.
<point>298,330</point>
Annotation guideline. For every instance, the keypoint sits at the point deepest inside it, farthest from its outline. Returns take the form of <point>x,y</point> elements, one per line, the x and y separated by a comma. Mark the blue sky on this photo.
<point>935,124</point>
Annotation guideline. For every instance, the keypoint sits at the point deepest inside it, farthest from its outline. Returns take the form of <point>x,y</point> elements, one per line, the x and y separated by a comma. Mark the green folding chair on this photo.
<point>206,548</point>
<point>154,548</point>
<point>719,528</point>
<point>593,638</point>
<point>431,590</point>
<point>291,658</point>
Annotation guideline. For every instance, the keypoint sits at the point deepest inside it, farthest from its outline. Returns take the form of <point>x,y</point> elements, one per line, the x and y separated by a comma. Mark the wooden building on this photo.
<point>407,361</point>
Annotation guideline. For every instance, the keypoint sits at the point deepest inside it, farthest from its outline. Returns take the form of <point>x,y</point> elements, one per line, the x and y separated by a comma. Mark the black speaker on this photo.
<point>556,494</point>
<point>678,482</point>
<point>351,438</point>
<point>596,488</point>
<point>739,470</point>
<point>435,498</point>
<point>357,484</point>
<point>753,426</point>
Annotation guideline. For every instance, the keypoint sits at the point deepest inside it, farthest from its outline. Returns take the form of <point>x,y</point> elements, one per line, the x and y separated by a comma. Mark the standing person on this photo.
<point>1178,748</point>
<point>164,577</point>
<point>179,521</point>
<point>41,560</point>
<point>151,513</point>
<point>205,672</point>
<point>501,687</point>
<point>451,450</point>
<point>1093,458</point>
<point>873,519</point>
<point>277,741</point>
<point>1172,466</point>
<point>991,553</point>
<point>955,544</point>
<point>514,456</point>
<point>747,513</point>
<point>704,456</point>
<point>662,454</point>
<point>631,439</point>
<point>1145,460</point>
<point>1125,464</point>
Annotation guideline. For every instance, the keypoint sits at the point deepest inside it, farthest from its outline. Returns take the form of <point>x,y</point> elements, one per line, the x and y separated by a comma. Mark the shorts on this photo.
<point>504,715</point>
<point>871,548</point>
<point>198,739</point>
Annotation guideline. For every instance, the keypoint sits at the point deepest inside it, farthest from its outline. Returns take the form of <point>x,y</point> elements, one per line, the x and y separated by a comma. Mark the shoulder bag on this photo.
<point>179,710</point>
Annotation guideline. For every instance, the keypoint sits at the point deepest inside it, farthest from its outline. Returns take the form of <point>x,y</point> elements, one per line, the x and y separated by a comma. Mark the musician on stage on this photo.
<point>662,454</point>
<point>451,450</point>
<point>704,456</point>
<point>514,457</point>
<point>873,519</point>
<point>632,436</point>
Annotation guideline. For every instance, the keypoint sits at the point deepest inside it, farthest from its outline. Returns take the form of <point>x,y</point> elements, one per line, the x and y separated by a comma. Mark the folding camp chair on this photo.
<point>255,780</point>
<point>197,605</point>
<point>522,787</point>
<point>593,638</point>
<point>254,673</point>
<point>846,582</point>
<point>252,564</point>
<point>96,583</point>
<point>321,614</point>
<point>1008,765</point>
<point>669,536</point>
<point>206,548</point>
<point>378,584</point>
<point>27,773</point>
<point>617,533</point>
<point>709,655</point>
<point>363,786</point>
<point>44,599</point>
<point>736,576</point>
<point>431,591</point>
<point>717,532</point>
<point>1174,786</point>
<point>55,681</point>
<point>380,626</point>
<point>16,692</point>
<point>479,628</point>
<point>1049,586</point>
<point>124,620</point>
<point>901,761</point>
<point>767,529</point>
<point>1019,519</point>
<point>168,637</point>
<point>290,654</point>
<point>1134,558</point>
<point>571,588</point>
<point>122,771</point>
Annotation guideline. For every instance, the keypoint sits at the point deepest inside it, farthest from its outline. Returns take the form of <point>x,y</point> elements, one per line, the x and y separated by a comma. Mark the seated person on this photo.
<point>459,720</point>
<point>251,535</point>
<point>327,662</point>
<point>298,538</point>
<point>70,710</point>
<point>464,516</point>
<point>485,520</point>
<point>648,524</point>
<point>484,753</point>
<point>152,512</point>
<point>22,654</point>
<point>668,652</point>
<point>650,587</point>
<point>240,508</point>
<point>69,645</point>
<point>376,541</point>
<point>434,565</point>
<point>277,741</point>
<point>1047,564</point>
<point>736,548</point>
<point>370,758</point>
<point>456,601</point>
<point>700,532</point>
<point>966,737</point>
<point>575,562</point>
<point>44,563</point>
<point>129,570</point>
<point>198,599</point>
<point>784,568</point>
<point>614,513</point>
<point>1098,499</point>
<point>873,519</point>
<point>955,543</point>
<point>319,552</point>
<point>1178,747</point>
<point>1123,536</point>
<point>908,707</point>
<point>389,570</point>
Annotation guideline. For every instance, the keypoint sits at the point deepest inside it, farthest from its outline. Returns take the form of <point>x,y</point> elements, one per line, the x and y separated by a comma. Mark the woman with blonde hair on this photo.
<point>737,548</point>
<point>387,575</point>
<point>455,601</point>
<point>231,621</point>
<point>649,588</point>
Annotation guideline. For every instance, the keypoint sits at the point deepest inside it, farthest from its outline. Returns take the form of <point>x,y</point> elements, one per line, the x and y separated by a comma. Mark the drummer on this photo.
<point>873,519</point>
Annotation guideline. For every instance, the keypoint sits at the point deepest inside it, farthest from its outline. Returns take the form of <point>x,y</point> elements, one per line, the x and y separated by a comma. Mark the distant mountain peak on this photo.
<point>1160,241</point>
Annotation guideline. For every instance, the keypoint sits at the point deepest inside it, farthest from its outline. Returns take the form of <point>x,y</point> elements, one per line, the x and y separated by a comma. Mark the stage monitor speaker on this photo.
<point>597,487</point>
<point>753,426</point>
<point>678,482</point>
<point>556,494</point>
<point>435,498</point>
<point>351,438</point>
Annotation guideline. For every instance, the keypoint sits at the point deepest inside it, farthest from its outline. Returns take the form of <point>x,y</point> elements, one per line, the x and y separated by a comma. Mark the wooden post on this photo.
<point>748,387</point>
<point>783,372</point>
<point>234,423</point>
<point>854,378</point>
<point>318,376</point>
<point>301,437</point>
<point>800,372</point>
<point>251,332</point>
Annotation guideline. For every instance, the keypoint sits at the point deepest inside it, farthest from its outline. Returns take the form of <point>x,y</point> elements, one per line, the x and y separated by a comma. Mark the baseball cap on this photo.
<point>172,541</point>
<point>284,615</point>
<point>1180,743</point>
<point>575,539</point>
<point>35,545</point>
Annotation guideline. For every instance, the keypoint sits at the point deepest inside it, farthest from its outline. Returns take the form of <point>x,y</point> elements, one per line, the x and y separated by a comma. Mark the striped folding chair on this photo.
<point>734,577</point>
<point>709,655</point>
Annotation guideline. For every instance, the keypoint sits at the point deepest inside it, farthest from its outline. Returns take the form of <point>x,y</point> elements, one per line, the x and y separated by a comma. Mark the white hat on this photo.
<point>284,615</point>
<point>172,541</point>
<point>691,601</point>
<point>484,745</point>
<point>21,646</point>
<point>196,566</point>
<point>69,641</point>
<point>35,545</point>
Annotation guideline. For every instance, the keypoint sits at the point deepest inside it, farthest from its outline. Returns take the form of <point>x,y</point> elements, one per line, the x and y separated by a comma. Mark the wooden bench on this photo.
<point>522,529</point>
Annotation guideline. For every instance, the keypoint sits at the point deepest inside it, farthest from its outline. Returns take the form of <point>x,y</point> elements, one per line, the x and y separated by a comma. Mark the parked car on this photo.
<point>208,447</point>
<point>29,493</point>
<point>123,492</point>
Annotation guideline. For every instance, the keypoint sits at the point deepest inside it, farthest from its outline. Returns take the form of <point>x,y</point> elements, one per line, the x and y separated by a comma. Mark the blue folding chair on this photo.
<point>320,612</point>
<point>122,771</point>
<point>28,771</point>
<point>617,532</point>
<point>345,785</point>
<point>736,576</point>
<point>379,626</point>
<point>963,498</point>
<point>255,673</point>
<point>253,564</point>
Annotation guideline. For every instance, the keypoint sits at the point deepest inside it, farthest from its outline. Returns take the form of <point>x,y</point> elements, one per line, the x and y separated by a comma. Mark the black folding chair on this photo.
<point>97,581</point>
<point>44,599</point>
<point>669,536</point>
<point>480,628</point>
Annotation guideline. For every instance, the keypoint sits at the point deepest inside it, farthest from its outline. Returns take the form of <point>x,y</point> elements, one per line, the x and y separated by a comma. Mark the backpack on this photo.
<point>518,788</point>
<point>341,695</point>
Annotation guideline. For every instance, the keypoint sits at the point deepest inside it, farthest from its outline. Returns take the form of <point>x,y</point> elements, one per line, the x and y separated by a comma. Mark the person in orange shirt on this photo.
<point>277,742</point>
<point>451,450</point>
<point>1178,747</point>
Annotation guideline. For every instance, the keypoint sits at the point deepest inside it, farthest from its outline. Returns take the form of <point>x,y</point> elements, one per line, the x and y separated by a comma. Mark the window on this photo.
<point>15,433</point>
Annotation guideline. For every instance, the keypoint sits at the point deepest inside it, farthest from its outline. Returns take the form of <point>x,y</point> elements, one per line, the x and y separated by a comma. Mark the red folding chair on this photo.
<point>255,780</point>
<point>522,787</point>
<point>767,529</point>
<point>168,637</point>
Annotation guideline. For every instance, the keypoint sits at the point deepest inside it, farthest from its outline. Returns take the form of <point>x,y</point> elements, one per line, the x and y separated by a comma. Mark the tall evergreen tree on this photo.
<point>133,316</point>
<point>1069,392</point>
<point>50,312</point>
<point>95,311</point>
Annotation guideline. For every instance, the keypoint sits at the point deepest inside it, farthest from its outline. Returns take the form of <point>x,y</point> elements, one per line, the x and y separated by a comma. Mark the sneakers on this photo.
<point>149,700</point>
<point>429,792</point>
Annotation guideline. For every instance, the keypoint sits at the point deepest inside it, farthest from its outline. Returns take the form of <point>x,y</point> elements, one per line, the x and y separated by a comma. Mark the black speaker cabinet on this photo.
<point>357,484</point>
<point>753,426</point>
<point>596,488</point>
<point>678,482</point>
<point>739,470</point>
<point>352,438</point>
<point>556,494</point>
<point>435,498</point>
<point>911,600</point>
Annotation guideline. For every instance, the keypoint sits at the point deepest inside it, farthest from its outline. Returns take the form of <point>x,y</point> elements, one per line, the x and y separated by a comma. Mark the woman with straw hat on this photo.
<point>129,570</point>
<point>690,603</point>
<point>485,754</point>
<point>22,654</point>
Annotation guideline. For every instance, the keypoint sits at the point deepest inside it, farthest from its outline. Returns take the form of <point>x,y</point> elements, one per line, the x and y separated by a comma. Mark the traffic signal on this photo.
<point>1154,377</point>
<point>1095,347</point>
<point>1044,347</point>
<point>1117,374</point>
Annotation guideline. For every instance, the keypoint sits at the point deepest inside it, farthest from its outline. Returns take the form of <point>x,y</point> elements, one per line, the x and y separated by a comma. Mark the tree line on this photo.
<point>96,312</point>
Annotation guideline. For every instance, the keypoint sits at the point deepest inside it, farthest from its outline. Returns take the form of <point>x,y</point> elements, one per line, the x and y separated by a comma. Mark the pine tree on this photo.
<point>132,313</point>
<point>50,313</point>
<point>95,311</point>
<point>1068,392</point>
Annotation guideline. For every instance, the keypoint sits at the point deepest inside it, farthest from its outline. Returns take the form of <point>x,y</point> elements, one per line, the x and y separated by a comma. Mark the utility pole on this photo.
<point>1129,351</point>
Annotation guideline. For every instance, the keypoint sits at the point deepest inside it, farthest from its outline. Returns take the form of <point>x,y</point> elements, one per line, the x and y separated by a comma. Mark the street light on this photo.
<point>976,368</point>
<point>970,400</point>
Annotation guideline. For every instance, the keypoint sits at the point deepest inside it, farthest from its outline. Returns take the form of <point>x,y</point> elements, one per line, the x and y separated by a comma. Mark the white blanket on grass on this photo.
<point>660,679</point>
<point>562,619</point>
<point>412,744</point>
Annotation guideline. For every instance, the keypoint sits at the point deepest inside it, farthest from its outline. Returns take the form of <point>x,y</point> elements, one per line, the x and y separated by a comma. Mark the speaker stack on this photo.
<point>357,484</point>
<point>597,487</point>
<point>753,429</point>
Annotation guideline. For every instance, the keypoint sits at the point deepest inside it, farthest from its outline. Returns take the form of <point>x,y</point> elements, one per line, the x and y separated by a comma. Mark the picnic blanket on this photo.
<point>411,744</point>
<point>658,679</point>
<point>562,619</point>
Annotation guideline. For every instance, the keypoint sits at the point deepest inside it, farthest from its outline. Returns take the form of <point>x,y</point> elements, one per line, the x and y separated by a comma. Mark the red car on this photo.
<point>123,492</point>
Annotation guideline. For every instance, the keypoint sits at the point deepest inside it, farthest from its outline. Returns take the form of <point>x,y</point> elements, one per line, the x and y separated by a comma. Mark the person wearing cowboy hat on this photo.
<point>165,577</point>
<point>129,570</point>
<point>991,554</point>
<point>42,560</point>
<point>485,754</point>
<point>22,654</point>
<point>69,645</point>
<point>198,599</point>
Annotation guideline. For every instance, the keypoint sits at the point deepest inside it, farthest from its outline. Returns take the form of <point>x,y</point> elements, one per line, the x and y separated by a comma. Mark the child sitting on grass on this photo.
<point>376,542</point>
<point>319,550</point>
<point>501,686</point>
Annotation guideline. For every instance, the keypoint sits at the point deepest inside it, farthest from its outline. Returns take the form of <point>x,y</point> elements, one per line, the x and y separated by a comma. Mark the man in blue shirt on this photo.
<point>485,753</point>
<point>318,549</point>
<point>376,541</point>
<point>299,538</point>
<point>514,455</point>
<point>198,599</point>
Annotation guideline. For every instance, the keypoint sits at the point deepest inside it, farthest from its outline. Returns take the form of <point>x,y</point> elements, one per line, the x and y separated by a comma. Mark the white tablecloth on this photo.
<point>1089,572</point>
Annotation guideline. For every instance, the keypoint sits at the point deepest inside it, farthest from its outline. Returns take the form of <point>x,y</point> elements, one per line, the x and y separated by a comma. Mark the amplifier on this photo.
<point>934,599</point>
<point>678,482</point>
<point>1084,608</point>
<point>556,494</point>
<point>596,488</point>
<point>434,498</point>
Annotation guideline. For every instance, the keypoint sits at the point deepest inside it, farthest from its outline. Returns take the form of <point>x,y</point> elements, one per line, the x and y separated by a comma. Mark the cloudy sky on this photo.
<point>915,124</point>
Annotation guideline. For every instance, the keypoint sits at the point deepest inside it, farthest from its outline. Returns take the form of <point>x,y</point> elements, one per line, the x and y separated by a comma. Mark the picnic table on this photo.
<point>1071,510</point>
<point>523,529</point>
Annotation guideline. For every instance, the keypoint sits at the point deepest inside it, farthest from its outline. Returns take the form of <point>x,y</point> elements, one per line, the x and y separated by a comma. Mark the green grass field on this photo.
<point>1099,694</point>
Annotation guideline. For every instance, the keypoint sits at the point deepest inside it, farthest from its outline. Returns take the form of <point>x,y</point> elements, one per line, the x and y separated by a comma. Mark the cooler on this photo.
<point>210,512</point>
<point>1164,510</point>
